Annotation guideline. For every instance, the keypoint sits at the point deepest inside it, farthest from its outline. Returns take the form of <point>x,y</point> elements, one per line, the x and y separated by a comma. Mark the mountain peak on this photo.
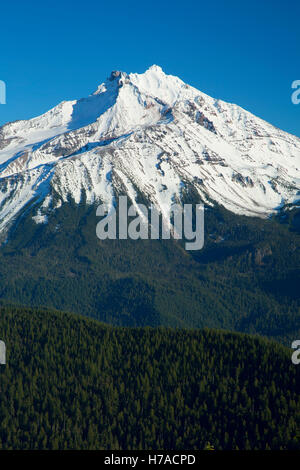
<point>152,133</point>
<point>155,68</point>
<point>116,74</point>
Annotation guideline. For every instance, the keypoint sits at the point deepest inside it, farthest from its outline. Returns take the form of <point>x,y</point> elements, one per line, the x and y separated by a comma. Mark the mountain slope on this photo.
<point>150,134</point>
<point>246,278</point>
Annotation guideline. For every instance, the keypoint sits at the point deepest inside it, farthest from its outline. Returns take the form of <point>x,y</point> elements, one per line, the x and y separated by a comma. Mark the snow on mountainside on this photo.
<point>151,133</point>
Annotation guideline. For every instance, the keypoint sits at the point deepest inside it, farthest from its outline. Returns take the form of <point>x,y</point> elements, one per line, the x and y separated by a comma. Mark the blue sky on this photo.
<point>246,52</point>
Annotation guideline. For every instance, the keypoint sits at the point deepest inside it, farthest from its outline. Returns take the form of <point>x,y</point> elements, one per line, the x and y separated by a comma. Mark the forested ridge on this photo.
<point>74,383</point>
<point>245,279</point>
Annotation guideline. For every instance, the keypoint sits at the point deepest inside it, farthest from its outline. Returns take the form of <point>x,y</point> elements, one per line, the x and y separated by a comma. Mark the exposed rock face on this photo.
<point>114,74</point>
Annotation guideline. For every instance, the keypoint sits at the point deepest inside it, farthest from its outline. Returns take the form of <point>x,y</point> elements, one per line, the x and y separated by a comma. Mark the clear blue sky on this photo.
<point>246,52</point>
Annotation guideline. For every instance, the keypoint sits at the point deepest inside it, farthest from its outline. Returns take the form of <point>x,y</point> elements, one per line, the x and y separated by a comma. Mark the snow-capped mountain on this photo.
<point>149,133</point>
